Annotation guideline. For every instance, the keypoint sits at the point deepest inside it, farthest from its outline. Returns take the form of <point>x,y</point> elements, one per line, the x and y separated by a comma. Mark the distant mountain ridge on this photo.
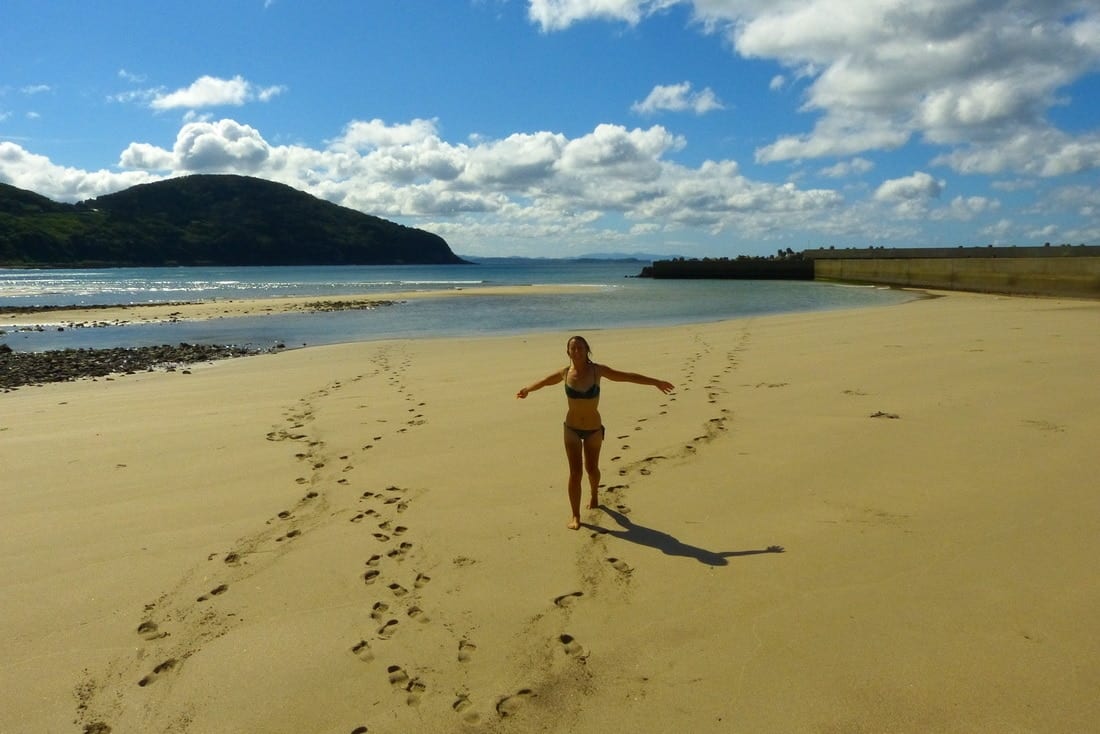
<point>205,220</point>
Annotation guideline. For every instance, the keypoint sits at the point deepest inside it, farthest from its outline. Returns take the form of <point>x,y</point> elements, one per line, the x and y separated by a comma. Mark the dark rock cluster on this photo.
<point>61,365</point>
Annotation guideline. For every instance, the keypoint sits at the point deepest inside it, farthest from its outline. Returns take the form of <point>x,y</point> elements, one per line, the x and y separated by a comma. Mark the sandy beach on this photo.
<point>882,520</point>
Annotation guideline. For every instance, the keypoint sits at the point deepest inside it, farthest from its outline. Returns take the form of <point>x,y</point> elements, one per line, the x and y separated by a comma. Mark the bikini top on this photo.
<point>589,394</point>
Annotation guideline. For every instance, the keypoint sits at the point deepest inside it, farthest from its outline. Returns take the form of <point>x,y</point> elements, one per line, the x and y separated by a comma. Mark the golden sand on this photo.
<point>371,537</point>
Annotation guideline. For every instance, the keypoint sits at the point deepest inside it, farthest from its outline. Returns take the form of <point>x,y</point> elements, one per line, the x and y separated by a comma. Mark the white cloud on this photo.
<point>678,98</point>
<point>1085,200</point>
<point>36,89</point>
<point>131,77</point>
<point>528,186</point>
<point>556,15</point>
<point>919,186</point>
<point>1000,231</point>
<point>360,135</point>
<point>1037,152</point>
<point>836,136</point>
<point>225,146</point>
<point>208,91</point>
<point>882,72</point>
<point>966,208</point>
<point>518,161</point>
<point>37,173</point>
<point>854,167</point>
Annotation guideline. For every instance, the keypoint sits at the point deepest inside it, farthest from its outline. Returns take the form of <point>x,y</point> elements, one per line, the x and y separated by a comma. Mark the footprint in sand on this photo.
<point>216,591</point>
<point>362,651</point>
<point>511,705</point>
<point>164,667</point>
<point>381,536</point>
<point>149,631</point>
<point>371,576</point>
<point>397,676</point>
<point>465,650</point>
<point>415,689</point>
<point>378,610</point>
<point>567,600</point>
<point>620,565</point>
<point>398,590</point>
<point>421,580</point>
<point>400,550</point>
<point>387,630</point>
<point>462,706</point>
<point>572,648</point>
<point>418,614</point>
<point>373,560</point>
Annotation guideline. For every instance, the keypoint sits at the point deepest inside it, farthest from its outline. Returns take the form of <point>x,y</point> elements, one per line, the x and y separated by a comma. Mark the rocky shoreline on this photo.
<point>18,369</point>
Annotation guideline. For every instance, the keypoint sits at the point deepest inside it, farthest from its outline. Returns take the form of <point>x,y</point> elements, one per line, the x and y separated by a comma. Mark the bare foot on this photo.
<point>574,523</point>
<point>594,501</point>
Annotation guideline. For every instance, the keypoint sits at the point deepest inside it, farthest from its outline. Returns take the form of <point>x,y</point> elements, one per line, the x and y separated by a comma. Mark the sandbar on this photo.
<point>143,313</point>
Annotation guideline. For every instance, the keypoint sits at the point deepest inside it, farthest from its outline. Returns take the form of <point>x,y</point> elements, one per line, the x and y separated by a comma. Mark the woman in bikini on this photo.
<point>584,429</point>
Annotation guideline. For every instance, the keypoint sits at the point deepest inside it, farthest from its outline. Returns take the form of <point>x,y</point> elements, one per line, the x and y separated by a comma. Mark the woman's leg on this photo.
<point>592,446</point>
<point>573,453</point>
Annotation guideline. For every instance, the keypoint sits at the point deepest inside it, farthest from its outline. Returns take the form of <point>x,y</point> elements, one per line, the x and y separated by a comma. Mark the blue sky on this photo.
<point>564,127</point>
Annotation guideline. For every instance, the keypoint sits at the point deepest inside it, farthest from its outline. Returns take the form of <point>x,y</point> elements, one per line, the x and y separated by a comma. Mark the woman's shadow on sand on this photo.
<point>668,544</point>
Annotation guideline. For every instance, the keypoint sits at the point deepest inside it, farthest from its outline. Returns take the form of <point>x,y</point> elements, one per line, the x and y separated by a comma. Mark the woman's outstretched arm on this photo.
<point>613,374</point>
<point>552,379</point>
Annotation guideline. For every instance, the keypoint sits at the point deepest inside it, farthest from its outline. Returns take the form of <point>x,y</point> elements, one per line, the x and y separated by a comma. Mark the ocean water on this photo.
<point>611,296</point>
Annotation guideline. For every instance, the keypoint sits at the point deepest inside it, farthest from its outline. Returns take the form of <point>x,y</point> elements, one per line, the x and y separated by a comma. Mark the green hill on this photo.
<point>204,220</point>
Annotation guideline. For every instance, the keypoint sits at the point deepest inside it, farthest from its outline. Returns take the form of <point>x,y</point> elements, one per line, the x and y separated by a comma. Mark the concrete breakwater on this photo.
<point>1065,270</point>
<point>1039,271</point>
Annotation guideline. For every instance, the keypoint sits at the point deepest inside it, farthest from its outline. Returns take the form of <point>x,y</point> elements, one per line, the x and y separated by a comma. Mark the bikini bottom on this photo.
<point>584,433</point>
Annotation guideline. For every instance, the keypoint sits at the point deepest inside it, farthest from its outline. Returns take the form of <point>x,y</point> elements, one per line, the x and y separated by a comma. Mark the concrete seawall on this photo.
<point>1073,272</point>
